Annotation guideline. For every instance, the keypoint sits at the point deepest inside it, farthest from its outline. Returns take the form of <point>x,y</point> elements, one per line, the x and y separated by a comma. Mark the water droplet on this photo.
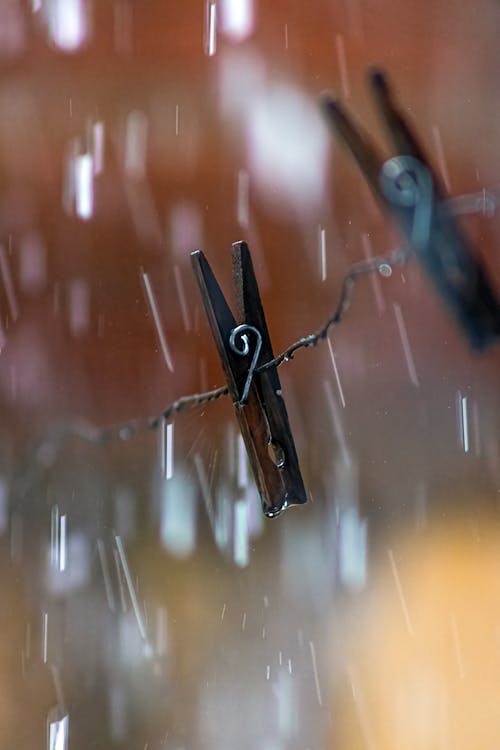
<point>385,269</point>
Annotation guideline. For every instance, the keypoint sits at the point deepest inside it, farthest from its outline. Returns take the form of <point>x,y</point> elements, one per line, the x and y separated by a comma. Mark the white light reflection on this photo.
<point>54,536</point>
<point>169,460</point>
<point>352,549</point>
<point>242,464</point>
<point>62,542</point>
<point>254,508</point>
<point>242,78</point>
<point>68,23</point>
<point>178,515</point>
<point>241,552</point>
<point>98,147</point>
<point>465,424</point>
<point>237,18</point>
<point>118,714</point>
<point>210,28</point>
<point>289,167</point>
<point>136,141</point>
<point>223,520</point>
<point>287,709</point>
<point>463,421</point>
<point>322,251</point>
<point>69,560</point>
<point>84,186</point>
<point>58,734</point>
<point>352,528</point>
<point>45,636</point>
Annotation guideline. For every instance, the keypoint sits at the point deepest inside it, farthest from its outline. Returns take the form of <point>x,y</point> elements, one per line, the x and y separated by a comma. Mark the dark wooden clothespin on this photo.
<point>412,193</point>
<point>244,346</point>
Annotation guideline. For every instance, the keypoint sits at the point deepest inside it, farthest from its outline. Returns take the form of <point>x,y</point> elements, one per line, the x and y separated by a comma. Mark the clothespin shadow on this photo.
<point>412,193</point>
<point>244,346</point>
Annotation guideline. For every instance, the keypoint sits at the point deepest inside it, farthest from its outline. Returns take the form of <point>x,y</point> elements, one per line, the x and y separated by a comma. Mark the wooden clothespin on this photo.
<point>412,193</point>
<point>244,346</point>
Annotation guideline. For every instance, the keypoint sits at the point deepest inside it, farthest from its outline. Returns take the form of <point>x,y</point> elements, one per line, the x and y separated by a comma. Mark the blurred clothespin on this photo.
<point>414,196</point>
<point>243,347</point>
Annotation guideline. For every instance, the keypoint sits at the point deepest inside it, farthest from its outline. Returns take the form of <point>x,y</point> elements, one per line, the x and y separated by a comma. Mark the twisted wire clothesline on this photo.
<point>125,431</point>
<point>45,451</point>
<point>484,203</point>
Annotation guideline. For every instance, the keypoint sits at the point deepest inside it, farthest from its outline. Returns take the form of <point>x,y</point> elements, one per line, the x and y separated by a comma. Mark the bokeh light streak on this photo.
<point>237,18</point>
<point>58,734</point>
<point>84,186</point>
<point>68,23</point>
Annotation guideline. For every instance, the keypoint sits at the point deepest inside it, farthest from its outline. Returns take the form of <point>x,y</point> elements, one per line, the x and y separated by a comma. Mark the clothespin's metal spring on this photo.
<point>406,182</point>
<point>239,331</point>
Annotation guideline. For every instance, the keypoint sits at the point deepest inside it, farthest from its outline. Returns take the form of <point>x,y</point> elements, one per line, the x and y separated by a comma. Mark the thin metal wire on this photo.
<point>47,449</point>
<point>397,257</point>
<point>45,452</point>
<point>125,431</point>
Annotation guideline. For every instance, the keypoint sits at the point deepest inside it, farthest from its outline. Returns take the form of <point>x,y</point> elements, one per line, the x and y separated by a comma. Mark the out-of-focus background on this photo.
<point>145,602</point>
